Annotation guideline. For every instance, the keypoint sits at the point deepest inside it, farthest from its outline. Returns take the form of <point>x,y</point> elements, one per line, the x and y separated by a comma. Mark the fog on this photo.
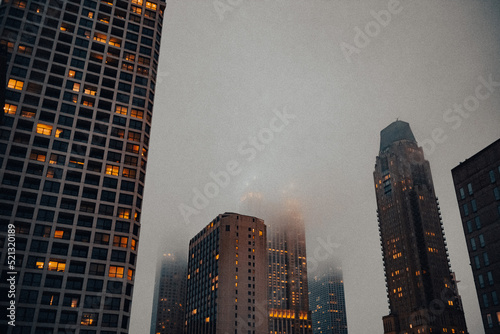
<point>288,98</point>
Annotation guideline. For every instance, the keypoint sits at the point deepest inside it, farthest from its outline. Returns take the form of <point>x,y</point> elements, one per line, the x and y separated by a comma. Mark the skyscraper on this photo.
<point>420,287</point>
<point>73,151</point>
<point>169,295</point>
<point>288,289</point>
<point>327,301</point>
<point>227,277</point>
<point>477,186</point>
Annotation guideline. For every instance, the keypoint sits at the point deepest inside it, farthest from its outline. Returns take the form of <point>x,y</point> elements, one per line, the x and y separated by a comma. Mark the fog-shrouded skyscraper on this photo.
<point>327,301</point>
<point>421,289</point>
<point>227,277</point>
<point>74,139</point>
<point>288,289</point>
<point>477,186</point>
<point>170,295</point>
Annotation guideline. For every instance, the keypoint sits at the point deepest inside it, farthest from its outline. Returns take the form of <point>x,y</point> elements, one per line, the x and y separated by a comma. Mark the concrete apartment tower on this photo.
<point>420,286</point>
<point>327,301</point>
<point>80,77</point>
<point>227,277</point>
<point>170,295</point>
<point>477,186</point>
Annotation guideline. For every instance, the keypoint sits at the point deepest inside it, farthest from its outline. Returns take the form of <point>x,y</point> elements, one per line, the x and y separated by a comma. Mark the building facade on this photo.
<point>80,84</point>
<point>227,277</point>
<point>327,302</point>
<point>288,289</point>
<point>421,289</point>
<point>169,296</point>
<point>477,186</point>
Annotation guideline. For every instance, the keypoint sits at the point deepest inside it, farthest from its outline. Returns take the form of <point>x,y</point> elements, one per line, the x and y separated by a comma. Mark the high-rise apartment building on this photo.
<point>327,301</point>
<point>227,277</point>
<point>477,186</point>
<point>73,151</point>
<point>169,295</point>
<point>420,286</point>
<point>288,289</point>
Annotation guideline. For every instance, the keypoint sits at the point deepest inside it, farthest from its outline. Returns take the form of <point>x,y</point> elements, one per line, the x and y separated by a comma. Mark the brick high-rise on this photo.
<point>420,286</point>
<point>80,77</point>
<point>477,185</point>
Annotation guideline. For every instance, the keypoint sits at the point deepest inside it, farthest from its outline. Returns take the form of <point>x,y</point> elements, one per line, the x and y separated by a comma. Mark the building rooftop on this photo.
<point>395,132</point>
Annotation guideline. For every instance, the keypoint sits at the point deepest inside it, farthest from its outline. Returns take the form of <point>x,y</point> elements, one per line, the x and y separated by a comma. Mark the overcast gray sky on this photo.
<point>228,68</point>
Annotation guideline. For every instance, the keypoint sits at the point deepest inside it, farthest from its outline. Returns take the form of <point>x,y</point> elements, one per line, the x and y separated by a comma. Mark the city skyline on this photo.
<point>286,98</point>
<point>223,79</point>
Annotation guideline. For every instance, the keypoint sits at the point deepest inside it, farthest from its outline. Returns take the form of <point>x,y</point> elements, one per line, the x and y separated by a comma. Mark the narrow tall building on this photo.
<point>327,301</point>
<point>74,139</point>
<point>288,289</point>
<point>420,286</point>
<point>169,295</point>
<point>477,186</point>
<point>227,277</point>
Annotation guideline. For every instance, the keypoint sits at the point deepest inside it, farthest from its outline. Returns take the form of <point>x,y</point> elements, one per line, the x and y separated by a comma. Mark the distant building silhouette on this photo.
<point>288,289</point>
<point>477,185</point>
<point>420,286</point>
<point>327,301</point>
<point>170,295</point>
<point>227,277</point>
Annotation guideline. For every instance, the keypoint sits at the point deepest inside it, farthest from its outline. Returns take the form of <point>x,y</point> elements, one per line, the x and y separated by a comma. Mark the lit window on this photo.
<point>129,56</point>
<point>56,265</point>
<point>19,3</point>
<point>136,10</point>
<point>151,5</point>
<point>37,156</point>
<point>90,90</point>
<point>39,264</point>
<point>87,102</point>
<point>15,84</point>
<point>137,113</point>
<point>138,2</point>
<point>58,132</point>
<point>88,319</point>
<point>100,37</point>
<point>71,74</point>
<point>121,110</point>
<point>124,213</point>
<point>129,172</point>
<point>90,14</point>
<point>115,42</point>
<point>130,274</point>
<point>115,271</point>
<point>120,241</point>
<point>10,109</point>
<point>112,170</point>
<point>74,302</point>
<point>128,67</point>
<point>25,50</point>
<point>27,114</point>
<point>133,244</point>
<point>76,87</point>
<point>58,234</point>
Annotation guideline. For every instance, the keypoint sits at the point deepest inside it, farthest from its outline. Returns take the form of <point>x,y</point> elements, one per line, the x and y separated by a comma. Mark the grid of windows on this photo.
<point>63,62</point>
